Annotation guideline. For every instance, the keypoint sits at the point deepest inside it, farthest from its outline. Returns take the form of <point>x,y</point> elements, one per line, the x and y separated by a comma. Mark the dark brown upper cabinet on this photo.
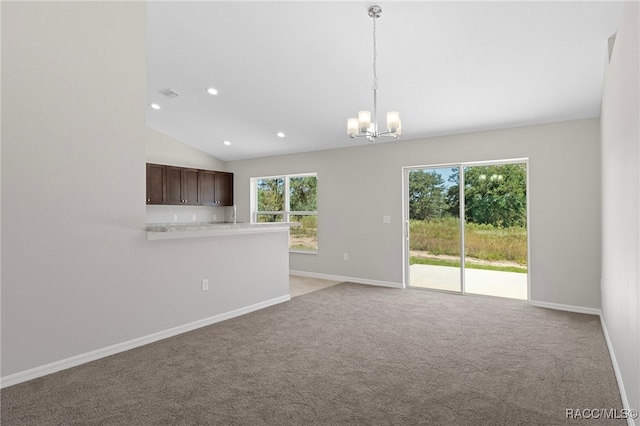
<point>224,189</point>
<point>155,184</point>
<point>184,186</point>
<point>207,187</point>
<point>216,188</point>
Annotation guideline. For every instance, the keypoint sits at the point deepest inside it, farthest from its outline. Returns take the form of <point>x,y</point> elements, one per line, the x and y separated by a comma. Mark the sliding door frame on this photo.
<point>460,166</point>
<point>406,170</point>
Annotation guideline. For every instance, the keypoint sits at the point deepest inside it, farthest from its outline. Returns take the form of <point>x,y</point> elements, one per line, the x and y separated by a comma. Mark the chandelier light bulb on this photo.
<point>353,127</point>
<point>393,120</point>
<point>364,118</point>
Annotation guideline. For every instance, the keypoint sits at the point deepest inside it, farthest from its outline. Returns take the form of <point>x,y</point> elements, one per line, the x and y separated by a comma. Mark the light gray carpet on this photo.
<point>348,354</point>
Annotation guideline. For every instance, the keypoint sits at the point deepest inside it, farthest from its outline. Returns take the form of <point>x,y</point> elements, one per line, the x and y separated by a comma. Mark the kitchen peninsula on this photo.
<point>163,231</point>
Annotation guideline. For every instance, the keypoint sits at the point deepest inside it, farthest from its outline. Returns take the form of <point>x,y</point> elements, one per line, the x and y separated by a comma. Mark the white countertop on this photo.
<point>163,231</point>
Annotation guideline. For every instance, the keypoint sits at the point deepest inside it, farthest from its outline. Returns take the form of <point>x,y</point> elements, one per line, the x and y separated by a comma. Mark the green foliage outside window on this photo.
<point>303,205</point>
<point>494,195</point>
<point>270,199</point>
<point>303,193</point>
<point>427,195</point>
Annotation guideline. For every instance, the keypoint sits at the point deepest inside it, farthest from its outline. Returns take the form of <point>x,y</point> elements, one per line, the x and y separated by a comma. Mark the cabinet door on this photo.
<point>173,177</point>
<point>224,189</point>
<point>190,187</point>
<point>155,184</point>
<point>207,187</point>
<point>181,186</point>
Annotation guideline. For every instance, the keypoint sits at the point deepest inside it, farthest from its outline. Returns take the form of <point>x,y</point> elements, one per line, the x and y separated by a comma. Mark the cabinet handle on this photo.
<point>148,200</point>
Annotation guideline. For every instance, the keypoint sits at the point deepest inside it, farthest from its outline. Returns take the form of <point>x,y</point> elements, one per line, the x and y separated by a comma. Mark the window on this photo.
<point>289,198</point>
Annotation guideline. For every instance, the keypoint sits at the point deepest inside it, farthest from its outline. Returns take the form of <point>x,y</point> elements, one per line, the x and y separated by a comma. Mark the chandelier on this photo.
<point>363,126</point>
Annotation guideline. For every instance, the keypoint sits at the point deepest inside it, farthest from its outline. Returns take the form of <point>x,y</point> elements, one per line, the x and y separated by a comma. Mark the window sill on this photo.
<point>298,251</point>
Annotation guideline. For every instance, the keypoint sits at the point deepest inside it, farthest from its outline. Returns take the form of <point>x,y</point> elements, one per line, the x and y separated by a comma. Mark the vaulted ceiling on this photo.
<point>304,67</point>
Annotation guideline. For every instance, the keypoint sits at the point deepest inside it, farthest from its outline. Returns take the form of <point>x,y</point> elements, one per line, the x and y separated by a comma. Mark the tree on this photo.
<point>426,195</point>
<point>303,193</point>
<point>495,195</point>
<point>271,197</point>
<point>453,193</point>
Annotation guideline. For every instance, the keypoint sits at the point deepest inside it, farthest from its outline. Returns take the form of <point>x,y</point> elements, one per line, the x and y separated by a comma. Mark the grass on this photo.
<point>485,242</point>
<point>304,237</point>
<point>470,265</point>
<point>442,237</point>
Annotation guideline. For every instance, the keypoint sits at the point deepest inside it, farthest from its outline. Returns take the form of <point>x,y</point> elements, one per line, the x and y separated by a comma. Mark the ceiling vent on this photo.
<point>169,93</point>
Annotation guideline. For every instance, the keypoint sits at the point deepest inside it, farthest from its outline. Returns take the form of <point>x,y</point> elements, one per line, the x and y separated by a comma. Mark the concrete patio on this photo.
<point>477,281</point>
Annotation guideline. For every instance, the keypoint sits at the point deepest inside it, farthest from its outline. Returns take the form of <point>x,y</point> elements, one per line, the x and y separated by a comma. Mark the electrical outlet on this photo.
<point>193,217</point>
<point>175,217</point>
<point>346,256</point>
<point>205,285</point>
<point>386,219</point>
<point>214,217</point>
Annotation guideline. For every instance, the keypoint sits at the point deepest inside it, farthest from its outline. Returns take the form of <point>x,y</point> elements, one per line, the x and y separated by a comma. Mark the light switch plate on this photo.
<point>386,219</point>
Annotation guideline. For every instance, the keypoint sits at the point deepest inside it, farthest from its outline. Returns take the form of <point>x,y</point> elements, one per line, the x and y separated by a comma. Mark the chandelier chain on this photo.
<point>375,56</point>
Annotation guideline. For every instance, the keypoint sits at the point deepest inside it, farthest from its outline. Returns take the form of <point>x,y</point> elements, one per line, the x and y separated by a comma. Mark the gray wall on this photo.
<point>78,274</point>
<point>357,186</point>
<point>163,149</point>
<point>621,203</point>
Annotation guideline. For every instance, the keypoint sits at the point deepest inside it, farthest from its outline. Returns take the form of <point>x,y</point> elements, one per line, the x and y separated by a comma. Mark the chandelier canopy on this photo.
<point>364,126</point>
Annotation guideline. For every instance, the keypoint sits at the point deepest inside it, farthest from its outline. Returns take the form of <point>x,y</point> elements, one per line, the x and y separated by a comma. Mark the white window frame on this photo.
<point>287,213</point>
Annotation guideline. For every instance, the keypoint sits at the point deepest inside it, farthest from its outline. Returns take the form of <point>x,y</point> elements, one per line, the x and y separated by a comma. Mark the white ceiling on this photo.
<point>304,67</point>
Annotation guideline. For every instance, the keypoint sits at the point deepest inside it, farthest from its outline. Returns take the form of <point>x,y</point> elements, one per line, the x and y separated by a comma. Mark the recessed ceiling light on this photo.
<point>155,106</point>
<point>212,91</point>
<point>280,134</point>
<point>226,143</point>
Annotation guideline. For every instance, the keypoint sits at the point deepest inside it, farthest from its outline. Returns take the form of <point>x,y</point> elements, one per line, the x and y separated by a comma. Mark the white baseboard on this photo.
<point>569,308</point>
<point>616,370</point>
<point>343,278</point>
<point>43,370</point>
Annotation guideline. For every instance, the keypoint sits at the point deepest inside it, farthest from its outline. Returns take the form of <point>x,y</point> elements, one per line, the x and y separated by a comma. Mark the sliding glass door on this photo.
<point>495,230</point>
<point>466,228</point>
<point>434,231</point>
